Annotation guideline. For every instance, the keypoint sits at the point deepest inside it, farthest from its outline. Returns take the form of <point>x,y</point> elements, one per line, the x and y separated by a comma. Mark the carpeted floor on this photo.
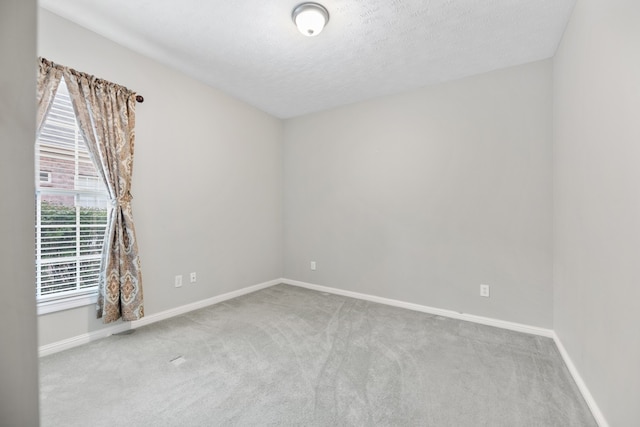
<point>287,356</point>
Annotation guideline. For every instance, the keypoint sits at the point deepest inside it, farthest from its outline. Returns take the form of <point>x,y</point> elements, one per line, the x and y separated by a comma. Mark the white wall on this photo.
<point>419,197</point>
<point>423,196</point>
<point>597,202</point>
<point>18,355</point>
<point>207,179</point>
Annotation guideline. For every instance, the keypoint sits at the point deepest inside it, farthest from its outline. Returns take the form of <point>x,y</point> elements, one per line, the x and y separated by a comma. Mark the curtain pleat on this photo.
<point>48,80</point>
<point>106,117</point>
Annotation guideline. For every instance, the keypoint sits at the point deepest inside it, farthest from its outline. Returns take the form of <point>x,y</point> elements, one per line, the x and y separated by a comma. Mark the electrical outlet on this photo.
<point>313,265</point>
<point>484,291</point>
<point>178,281</point>
<point>192,277</point>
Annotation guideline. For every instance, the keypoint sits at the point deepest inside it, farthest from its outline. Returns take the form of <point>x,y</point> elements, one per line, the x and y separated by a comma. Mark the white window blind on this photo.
<point>72,207</point>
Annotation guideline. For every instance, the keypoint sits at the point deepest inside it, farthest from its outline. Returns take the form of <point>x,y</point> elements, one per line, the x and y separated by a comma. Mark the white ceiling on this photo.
<point>252,50</point>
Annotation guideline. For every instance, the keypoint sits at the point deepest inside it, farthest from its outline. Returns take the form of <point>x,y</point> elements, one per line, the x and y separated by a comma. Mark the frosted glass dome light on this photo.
<point>310,18</point>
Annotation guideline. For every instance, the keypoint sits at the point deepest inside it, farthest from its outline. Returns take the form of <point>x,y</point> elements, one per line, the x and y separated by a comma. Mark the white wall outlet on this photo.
<point>484,291</point>
<point>192,277</point>
<point>178,281</point>
<point>313,265</point>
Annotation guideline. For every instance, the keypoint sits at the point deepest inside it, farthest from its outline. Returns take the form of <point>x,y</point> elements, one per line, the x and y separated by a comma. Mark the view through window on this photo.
<point>72,207</point>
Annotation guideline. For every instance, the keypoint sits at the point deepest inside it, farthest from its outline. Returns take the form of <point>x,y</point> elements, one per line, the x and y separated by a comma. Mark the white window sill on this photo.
<point>46,307</point>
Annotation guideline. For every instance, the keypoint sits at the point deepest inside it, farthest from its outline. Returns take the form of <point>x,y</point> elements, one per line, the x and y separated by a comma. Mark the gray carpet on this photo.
<point>287,356</point>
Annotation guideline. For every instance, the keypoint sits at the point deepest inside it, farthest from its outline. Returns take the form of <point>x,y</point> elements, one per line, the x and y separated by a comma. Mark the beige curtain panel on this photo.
<point>106,116</point>
<point>48,80</point>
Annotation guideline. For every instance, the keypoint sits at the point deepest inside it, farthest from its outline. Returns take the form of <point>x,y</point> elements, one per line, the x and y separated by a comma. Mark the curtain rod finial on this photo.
<point>139,98</point>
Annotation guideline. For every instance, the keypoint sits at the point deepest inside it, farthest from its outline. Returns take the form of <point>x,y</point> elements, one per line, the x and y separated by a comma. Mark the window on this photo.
<point>71,209</point>
<point>45,177</point>
<point>92,198</point>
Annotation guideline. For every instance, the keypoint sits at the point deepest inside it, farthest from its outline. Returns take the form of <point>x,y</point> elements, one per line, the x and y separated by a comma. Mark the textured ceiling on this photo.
<point>252,50</point>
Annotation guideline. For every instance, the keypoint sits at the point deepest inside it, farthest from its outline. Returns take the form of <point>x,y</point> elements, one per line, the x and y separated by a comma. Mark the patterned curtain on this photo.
<point>106,117</point>
<point>48,81</point>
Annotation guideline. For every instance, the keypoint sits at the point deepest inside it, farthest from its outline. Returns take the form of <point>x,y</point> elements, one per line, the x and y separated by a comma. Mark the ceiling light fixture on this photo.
<point>310,18</point>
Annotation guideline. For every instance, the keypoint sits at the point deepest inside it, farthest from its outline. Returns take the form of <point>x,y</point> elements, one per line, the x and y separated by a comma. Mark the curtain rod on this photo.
<point>139,98</point>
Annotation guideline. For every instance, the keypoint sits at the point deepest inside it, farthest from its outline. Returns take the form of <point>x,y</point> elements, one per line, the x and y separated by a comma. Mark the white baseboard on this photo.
<point>146,320</point>
<point>121,327</point>
<point>45,350</point>
<point>426,309</point>
<point>76,341</point>
<point>586,394</point>
<point>593,406</point>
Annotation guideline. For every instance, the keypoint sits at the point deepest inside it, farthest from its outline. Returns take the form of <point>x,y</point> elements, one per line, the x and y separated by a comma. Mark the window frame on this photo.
<point>52,306</point>
<point>48,177</point>
<point>64,300</point>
